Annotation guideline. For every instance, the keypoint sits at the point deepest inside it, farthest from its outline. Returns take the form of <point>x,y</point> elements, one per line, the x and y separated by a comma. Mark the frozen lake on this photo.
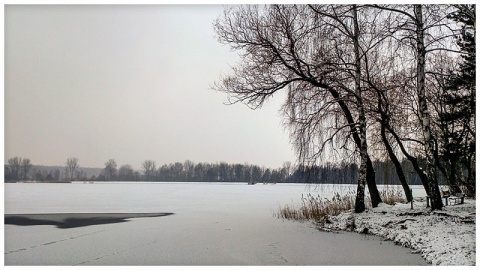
<point>212,224</point>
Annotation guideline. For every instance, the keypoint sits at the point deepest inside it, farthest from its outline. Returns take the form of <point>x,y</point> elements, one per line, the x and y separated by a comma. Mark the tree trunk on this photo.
<point>396,162</point>
<point>371,182</point>
<point>471,175</point>
<point>362,127</point>
<point>384,120</point>
<point>452,178</point>
<point>354,126</point>
<point>423,176</point>
<point>424,114</point>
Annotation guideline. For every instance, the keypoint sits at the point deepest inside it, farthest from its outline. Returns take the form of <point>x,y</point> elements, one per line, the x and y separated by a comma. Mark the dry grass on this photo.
<point>318,209</point>
<point>392,196</point>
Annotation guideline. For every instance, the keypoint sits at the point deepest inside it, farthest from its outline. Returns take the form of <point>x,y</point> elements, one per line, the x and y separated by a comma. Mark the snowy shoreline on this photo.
<point>444,237</point>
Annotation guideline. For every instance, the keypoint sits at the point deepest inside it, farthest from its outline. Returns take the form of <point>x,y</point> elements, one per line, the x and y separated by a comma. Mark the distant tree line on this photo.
<point>347,173</point>
<point>19,169</point>
<point>188,171</point>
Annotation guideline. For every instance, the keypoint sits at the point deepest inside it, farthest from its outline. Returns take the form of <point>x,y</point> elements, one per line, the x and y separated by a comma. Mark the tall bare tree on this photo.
<point>424,111</point>
<point>287,46</point>
<point>381,80</point>
<point>71,168</point>
<point>15,166</point>
<point>26,166</point>
<point>287,168</point>
<point>149,169</point>
<point>362,122</point>
<point>345,21</point>
<point>419,30</point>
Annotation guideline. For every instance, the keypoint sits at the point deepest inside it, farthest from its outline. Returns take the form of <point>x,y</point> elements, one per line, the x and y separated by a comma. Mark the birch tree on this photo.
<point>420,30</point>
<point>424,112</point>
<point>288,47</point>
<point>345,20</point>
<point>362,126</point>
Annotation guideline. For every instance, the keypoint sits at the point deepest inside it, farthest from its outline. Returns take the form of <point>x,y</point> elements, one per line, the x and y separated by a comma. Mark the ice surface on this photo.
<point>213,224</point>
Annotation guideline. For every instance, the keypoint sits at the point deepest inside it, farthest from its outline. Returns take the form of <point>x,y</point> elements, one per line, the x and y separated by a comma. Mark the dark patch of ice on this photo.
<point>74,220</point>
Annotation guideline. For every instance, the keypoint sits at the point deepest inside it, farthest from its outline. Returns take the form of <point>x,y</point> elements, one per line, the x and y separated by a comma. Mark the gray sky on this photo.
<point>130,83</point>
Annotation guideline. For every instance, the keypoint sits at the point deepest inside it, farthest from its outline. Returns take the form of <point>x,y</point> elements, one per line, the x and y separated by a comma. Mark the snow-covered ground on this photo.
<point>444,237</point>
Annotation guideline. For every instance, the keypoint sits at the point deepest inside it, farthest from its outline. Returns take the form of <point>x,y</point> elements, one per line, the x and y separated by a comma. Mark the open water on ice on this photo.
<point>212,224</point>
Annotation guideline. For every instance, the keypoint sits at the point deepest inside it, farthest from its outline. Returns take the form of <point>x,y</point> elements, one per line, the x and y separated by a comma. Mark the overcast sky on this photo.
<point>130,83</point>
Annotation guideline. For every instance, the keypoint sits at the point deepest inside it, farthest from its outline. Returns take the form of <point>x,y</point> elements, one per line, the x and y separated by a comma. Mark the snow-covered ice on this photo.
<point>212,224</point>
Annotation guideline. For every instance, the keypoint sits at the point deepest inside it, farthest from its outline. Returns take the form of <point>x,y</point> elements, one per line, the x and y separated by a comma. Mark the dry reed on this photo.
<point>318,209</point>
<point>393,196</point>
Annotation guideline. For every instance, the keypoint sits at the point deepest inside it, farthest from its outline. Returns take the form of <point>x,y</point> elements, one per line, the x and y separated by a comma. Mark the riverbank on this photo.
<point>444,237</point>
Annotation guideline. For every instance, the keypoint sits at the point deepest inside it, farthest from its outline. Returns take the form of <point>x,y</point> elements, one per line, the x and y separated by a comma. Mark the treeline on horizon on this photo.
<point>188,171</point>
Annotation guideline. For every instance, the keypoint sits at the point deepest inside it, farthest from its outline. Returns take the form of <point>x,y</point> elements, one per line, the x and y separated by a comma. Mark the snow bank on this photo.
<point>444,237</point>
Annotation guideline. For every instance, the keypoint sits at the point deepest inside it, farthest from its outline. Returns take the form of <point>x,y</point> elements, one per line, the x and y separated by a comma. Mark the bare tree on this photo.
<point>287,168</point>
<point>345,22</point>
<point>15,165</point>
<point>110,170</point>
<point>362,122</point>
<point>420,30</point>
<point>288,46</point>
<point>71,168</point>
<point>381,79</point>
<point>340,64</point>
<point>26,166</point>
<point>149,169</point>
<point>424,112</point>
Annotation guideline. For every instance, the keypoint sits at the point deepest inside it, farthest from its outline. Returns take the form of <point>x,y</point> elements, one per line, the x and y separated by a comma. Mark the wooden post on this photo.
<point>411,196</point>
